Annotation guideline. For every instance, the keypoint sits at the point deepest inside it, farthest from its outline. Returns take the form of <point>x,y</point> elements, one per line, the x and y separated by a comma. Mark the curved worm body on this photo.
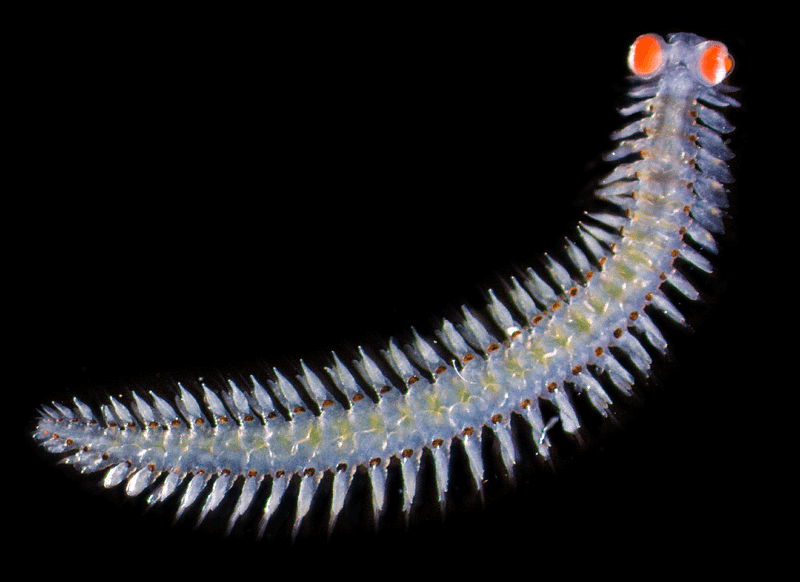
<point>547,337</point>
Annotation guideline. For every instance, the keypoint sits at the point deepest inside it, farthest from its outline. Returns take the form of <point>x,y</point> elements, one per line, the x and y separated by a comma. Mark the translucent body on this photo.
<point>545,336</point>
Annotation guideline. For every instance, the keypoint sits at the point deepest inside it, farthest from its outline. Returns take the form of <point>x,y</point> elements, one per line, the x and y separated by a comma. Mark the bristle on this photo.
<point>279,485</point>
<point>251,485</point>
<point>308,486</point>
<point>193,491</point>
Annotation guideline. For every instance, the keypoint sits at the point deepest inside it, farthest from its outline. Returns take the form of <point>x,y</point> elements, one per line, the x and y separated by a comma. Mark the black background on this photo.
<point>201,201</point>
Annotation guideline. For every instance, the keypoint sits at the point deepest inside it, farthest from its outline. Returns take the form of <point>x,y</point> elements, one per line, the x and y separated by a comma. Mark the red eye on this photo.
<point>646,58</point>
<point>714,63</point>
